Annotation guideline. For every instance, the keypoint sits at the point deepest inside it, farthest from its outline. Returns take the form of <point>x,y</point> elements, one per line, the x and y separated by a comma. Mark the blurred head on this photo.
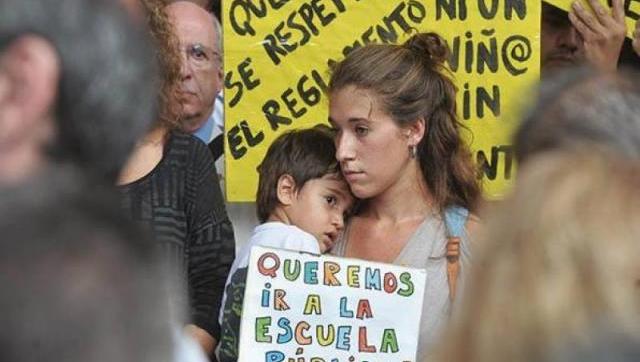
<point>561,44</point>
<point>581,110</point>
<point>78,282</point>
<point>76,85</point>
<point>603,343</point>
<point>394,108</point>
<point>558,261</point>
<point>300,183</point>
<point>134,8</point>
<point>199,35</point>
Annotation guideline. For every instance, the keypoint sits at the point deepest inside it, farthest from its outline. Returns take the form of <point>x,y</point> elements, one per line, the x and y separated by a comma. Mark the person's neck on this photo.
<point>408,198</point>
<point>155,137</point>
<point>279,215</point>
<point>194,123</point>
<point>146,154</point>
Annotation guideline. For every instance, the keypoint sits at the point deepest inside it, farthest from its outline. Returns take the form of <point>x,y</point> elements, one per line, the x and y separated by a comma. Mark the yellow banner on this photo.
<point>631,10</point>
<point>277,54</point>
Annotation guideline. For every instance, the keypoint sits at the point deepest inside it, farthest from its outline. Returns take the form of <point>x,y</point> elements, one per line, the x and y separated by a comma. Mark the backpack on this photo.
<point>455,218</point>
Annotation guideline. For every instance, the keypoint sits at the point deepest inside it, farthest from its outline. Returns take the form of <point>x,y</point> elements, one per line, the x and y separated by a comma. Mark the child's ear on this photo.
<point>286,189</point>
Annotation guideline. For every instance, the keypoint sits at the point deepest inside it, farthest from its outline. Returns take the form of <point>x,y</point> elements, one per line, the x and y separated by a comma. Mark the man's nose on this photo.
<point>570,38</point>
<point>185,67</point>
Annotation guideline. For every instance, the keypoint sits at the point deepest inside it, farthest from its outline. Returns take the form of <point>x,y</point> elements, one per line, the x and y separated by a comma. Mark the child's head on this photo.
<point>301,184</point>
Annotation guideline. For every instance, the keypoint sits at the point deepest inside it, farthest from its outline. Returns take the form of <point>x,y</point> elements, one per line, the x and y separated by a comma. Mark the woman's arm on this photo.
<point>211,248</point>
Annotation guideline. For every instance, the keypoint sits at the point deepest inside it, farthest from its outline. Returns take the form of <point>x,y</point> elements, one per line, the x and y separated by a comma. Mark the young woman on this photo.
<point>400,148</point>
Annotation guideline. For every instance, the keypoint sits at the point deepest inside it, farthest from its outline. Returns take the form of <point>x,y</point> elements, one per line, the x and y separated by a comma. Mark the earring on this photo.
<point>413,151</point>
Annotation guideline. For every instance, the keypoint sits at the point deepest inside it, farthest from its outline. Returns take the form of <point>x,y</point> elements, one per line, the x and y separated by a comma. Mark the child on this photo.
<point>302,199</point>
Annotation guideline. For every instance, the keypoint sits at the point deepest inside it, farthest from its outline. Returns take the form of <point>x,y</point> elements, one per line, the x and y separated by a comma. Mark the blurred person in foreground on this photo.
<point>558,262</point>
<point>78,283</point>
<point>77,85</point>
<point>582,109</point>
<point>605,344</point>
<point>171,186</point>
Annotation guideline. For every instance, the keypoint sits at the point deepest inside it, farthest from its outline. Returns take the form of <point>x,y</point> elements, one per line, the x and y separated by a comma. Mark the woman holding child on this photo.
<point>400,149</point>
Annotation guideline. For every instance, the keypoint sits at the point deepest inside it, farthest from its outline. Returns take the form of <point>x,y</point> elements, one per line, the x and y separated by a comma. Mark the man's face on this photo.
<point>561,44</point>
<point>201,71</point>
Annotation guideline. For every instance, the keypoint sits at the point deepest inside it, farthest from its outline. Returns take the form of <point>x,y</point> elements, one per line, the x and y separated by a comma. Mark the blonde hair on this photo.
<point>560,257</point>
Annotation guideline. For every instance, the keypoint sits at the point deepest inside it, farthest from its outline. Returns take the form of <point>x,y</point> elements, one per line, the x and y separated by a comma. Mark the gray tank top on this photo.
<point>426,249</point>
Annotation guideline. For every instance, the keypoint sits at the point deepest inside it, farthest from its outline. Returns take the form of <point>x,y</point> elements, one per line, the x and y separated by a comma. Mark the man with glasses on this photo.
<point>201,79</point>
<point>200,42</point>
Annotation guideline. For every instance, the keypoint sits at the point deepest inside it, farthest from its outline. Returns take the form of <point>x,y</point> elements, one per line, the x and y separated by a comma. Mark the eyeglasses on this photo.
<point>200,56</point>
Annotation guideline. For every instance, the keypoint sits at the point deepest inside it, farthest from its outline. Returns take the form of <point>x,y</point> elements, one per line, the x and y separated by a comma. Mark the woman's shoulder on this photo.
<point>190,149</point>
<point>182,140</point>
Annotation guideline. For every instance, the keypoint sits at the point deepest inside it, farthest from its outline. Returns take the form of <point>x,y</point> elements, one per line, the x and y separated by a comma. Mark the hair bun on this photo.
<point>429,45</point>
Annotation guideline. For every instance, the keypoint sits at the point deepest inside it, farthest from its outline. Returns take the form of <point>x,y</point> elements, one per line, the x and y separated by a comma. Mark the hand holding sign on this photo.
<point>631,9</point>
<point>602,31</point>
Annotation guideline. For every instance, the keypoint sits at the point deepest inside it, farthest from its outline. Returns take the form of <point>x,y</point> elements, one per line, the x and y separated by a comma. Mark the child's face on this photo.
<point>319,208</point>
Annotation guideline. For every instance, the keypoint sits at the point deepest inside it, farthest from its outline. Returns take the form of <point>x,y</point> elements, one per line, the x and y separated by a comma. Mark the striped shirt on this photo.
<point>180,200</point>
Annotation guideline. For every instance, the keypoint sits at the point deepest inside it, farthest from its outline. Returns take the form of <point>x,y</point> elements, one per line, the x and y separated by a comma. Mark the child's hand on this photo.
<point>636,38</point>
<point>603,34</point>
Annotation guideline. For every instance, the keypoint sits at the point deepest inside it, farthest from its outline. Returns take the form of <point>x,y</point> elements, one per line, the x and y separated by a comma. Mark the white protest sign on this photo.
<point>311,308</point>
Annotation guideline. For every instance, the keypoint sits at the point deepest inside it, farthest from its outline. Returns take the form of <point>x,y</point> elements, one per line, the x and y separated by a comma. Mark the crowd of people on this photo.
<point>116,244</point>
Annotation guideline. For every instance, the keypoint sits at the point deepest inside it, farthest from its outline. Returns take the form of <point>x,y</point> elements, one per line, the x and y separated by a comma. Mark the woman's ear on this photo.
<point>286,189</point>
<point>415,132</point>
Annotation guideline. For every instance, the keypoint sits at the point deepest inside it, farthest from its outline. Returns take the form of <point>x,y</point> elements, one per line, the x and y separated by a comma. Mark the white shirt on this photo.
<point>271,235</point>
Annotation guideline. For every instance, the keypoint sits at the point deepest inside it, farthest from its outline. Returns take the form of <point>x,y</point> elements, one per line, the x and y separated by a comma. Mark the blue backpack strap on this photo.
<point>455,217</point>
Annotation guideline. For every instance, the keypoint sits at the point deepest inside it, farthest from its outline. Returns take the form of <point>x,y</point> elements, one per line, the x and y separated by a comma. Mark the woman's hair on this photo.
<point>559,259</point>
<point>411,83</point>
<point>581,109</point>
<point>168,55</point>
<point>303,154</point>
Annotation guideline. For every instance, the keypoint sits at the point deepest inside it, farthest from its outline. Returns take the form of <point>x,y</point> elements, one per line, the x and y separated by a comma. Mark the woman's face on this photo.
<point>372,149</point>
